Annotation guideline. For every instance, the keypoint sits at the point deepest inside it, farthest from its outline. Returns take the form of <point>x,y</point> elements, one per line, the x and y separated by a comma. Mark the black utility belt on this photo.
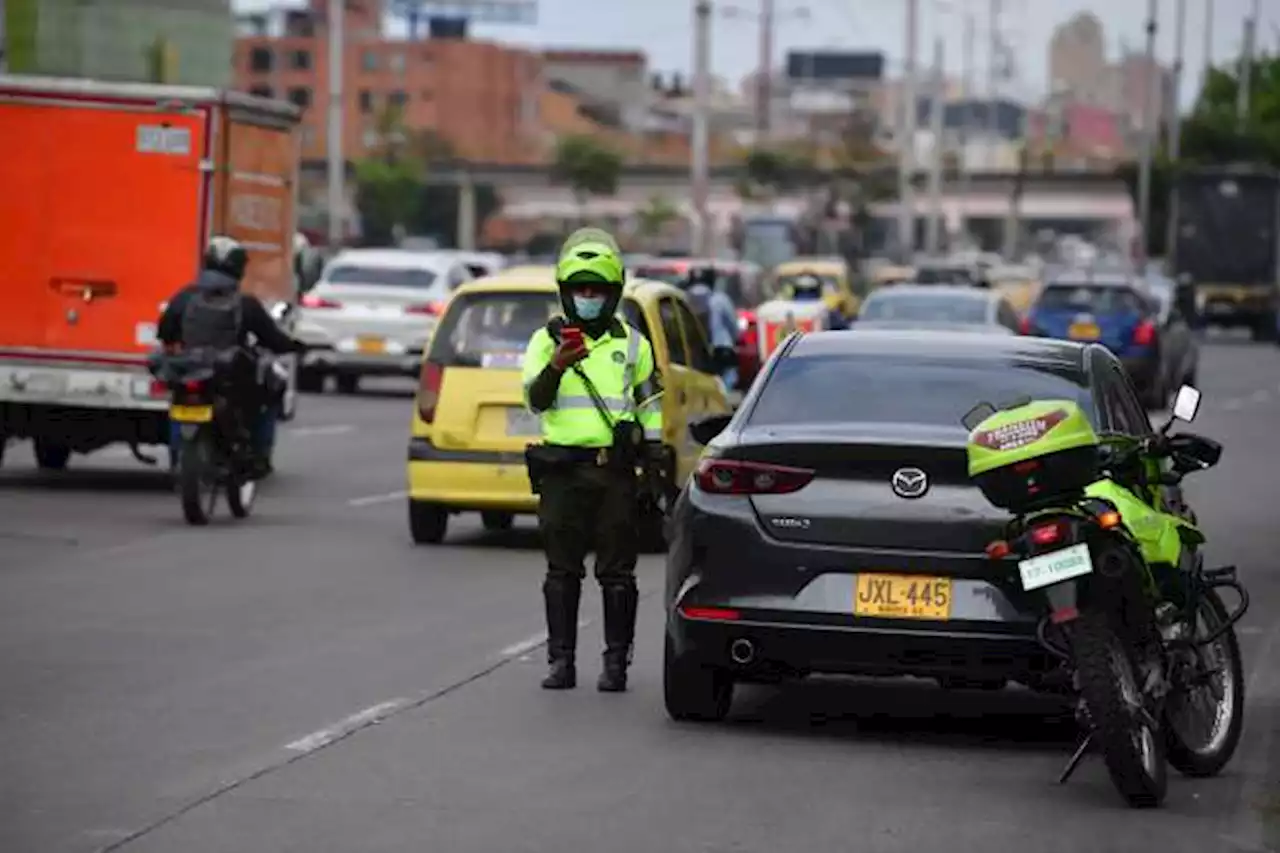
<point>564,455</point>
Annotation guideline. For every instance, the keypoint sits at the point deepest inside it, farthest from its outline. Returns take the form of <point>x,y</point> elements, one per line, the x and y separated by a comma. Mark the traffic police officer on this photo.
<point>592,379</point>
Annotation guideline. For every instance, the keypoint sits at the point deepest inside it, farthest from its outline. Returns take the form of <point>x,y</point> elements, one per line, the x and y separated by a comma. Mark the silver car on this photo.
<point>372,312</point>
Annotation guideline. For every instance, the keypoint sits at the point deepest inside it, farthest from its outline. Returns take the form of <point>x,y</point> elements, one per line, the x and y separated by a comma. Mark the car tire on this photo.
<point>497,522</point>
<point>348,383</point>
<point>50,456</point>
<point>693,692</point>
<point>310,381</point>
<point>1264,331</point>
<point>428,522</point>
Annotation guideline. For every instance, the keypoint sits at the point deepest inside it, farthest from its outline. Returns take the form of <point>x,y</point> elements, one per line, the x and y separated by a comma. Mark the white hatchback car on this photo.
<point>372,312</point>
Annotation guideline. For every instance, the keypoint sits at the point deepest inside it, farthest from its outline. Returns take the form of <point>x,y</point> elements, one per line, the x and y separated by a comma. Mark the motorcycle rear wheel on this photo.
<point>196,482</point>
<point>1133,752</point>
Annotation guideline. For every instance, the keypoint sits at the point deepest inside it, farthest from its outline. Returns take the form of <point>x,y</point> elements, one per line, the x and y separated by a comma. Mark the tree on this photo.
<point>654,217</point>
<point>1212,134</point>
<point>389,180</point>
<point>587,166</point>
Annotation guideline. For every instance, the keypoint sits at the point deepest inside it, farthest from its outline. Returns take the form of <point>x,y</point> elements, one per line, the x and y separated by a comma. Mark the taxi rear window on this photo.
<point>490,329</point>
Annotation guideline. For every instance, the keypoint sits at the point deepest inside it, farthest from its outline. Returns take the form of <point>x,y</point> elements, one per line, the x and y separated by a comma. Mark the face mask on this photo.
<point>588,307</point>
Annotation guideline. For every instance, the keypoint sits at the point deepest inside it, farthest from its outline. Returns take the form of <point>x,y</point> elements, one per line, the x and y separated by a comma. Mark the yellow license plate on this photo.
<point>903,597</point>
<point>371,345</point>
<point>191,414</point>
<point>1084,332</point>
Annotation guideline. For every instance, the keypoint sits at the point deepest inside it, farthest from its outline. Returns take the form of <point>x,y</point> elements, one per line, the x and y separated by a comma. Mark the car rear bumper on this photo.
<point>365,364</point>
<point>786,646</point>
<point>469,479</point>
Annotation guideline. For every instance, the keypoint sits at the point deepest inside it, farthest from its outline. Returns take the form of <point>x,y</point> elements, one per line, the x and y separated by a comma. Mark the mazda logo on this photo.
<point>909,483</point>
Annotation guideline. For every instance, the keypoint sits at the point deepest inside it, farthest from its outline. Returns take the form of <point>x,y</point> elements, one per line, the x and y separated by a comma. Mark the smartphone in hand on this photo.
<point>571,335</point>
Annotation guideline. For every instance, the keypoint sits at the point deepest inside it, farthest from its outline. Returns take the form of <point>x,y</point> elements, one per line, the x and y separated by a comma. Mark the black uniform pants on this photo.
<point>586,508</point>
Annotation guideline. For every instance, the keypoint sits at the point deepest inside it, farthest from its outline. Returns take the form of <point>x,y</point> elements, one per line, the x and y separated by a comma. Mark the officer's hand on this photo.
<point>569,352</point>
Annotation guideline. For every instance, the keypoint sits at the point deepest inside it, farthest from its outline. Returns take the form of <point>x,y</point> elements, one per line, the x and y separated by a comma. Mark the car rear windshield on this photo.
<point>381,276</point>
<point>943,275</point>
<point>924,308</point>
<point>490,329</point>
<point>663,273</point>
<point>926,392</point>
<point>1092,298</point>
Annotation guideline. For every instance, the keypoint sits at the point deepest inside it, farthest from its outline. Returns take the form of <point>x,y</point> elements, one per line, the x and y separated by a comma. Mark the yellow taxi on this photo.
<point>470,426</point>
<point>888,274</point>
<point>837,283</point>
<point>1020,285</point>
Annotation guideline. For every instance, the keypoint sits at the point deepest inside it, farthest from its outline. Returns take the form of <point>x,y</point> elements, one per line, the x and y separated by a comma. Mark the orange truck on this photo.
<point>110,193</point>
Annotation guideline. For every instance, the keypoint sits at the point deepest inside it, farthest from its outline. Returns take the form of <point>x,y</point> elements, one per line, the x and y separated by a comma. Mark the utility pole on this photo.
<point>933,224</point>
<point>764,81</point>
<point>995,50</point>
<point>967,75</point>
<point>1175,138</point>
<point>1244,91</point>
<point>907,140</point>
<point>699,166</point>
<point>333,146</point>
<point>1208,40</point>
<point>1149,97</point>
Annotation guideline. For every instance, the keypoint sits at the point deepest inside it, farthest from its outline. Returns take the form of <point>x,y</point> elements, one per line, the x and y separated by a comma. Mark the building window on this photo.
<point>369,61</point>
<point>260,59</point>
<point>300,97</point>
<point>261,91</point>
<point>398,99</point>
<point>396,62</point>
<point>300,60</point>
<point>366,101</point>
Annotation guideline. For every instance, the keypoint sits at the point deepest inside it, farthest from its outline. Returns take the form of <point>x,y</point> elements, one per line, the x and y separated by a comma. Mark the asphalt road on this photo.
<point>308,681</point>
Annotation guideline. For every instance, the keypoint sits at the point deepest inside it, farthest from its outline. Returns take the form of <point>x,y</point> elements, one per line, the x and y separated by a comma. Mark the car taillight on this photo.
<point>430,309</point>
<point>159,389</point>
<point>1048,534</point>
<point>732,477</point>
<point>193,386</point>
<point>429,390</point>
<point>1025,326</point>
<point>1145,334</point>
<point>313,301</point>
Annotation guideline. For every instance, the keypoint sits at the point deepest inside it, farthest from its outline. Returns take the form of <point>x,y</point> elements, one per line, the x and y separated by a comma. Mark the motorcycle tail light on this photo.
<point>1048,534</point>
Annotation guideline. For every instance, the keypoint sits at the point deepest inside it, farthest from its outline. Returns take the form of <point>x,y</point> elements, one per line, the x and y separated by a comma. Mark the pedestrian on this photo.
<point>592,379</point>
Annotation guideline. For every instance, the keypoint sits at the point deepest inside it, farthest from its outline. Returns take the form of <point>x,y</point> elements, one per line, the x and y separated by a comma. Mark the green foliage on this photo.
<point>587,166</point>
<point>389,180</point>
<point>775,169</point>
<point>1212,134</point>
<point>655,216</point>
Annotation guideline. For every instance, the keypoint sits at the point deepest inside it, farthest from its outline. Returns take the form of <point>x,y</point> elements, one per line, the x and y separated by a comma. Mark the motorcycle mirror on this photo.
<point>1186,404</point>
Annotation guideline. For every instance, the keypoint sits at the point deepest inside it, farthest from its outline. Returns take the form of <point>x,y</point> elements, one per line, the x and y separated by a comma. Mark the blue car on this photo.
<point>1147,333</point>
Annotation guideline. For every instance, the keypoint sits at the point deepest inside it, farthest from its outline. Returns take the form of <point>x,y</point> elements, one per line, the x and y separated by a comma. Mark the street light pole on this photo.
<point>937,91</point>
<point>967,75</point>
<point>1148,125</point>
<point>1175,137</point>
<point>907,141</point>
<point>1244,91</point>
<point>336,160</point>
<point>699,165</point>
<point>764,82</point>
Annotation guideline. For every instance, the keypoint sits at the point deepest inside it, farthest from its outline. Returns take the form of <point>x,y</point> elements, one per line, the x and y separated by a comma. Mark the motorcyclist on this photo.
<point>716,311</point>
<point>213,314</point>
<point>807,287</point>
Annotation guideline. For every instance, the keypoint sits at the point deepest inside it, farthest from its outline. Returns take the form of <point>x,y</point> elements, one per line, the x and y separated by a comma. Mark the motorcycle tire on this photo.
<point>1105,667</point>
<point>240,496</point>
<point>1209,760</point>
<point>196,483</point>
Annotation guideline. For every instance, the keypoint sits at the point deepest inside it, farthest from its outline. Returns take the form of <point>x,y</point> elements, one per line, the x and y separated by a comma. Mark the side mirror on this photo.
<point>1186,404</point>
<point>705,430</point>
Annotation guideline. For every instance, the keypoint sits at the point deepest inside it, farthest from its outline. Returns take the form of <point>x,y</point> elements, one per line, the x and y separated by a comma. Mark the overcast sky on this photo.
<point>661,28</point>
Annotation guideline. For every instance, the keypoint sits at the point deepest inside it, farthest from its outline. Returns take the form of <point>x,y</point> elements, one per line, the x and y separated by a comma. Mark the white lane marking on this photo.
<point>372,714</point>
<point>386,497</point>
<point>528,644</point>
<point>1262,395</point>
<point>1254,795</point>
<point>329,429</point>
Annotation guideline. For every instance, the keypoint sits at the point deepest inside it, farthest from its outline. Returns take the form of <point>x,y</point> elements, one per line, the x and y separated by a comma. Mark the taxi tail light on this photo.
<point>158,388</point>
<point>1025,326</point>
<point>193,386</point>
<point>429,390</point>
<point>1048,534</point>
<point>1145,334</point>
<point>733,477</point>
<point>428,309</point>
<point>313,301</point>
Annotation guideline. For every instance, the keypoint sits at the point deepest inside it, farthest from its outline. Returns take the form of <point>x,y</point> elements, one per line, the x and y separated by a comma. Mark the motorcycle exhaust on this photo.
<point>742,652</point>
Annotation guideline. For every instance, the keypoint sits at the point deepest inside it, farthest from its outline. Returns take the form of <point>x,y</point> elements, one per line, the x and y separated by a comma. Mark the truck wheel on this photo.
<point>50,456</point>
<point>310,380</point>
<point>1264,330</point>
<point>348,383</point>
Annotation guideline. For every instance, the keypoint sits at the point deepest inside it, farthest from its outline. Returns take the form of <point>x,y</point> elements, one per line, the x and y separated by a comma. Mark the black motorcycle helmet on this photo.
<point>702,275</point>
<point>225,255</point>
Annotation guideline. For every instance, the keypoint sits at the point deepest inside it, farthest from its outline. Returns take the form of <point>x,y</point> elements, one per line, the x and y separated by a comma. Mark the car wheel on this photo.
<point>497,521</point>
<point>348,383</point>
<point>691,691</point>
<point>310,380</point>
<point>1264,331</point>
<point>428,522</point>
<point>50,456</point>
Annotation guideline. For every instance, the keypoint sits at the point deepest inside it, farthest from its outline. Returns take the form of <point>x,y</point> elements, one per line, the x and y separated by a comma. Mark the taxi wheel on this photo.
<point>428,523</point>
<point>348,383</point>
<point>310,380</point>
<point>497,521</point>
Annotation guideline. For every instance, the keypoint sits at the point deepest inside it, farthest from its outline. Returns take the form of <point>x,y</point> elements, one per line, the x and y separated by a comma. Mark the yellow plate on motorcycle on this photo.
<point>191,414</point>
<point>1084,332</point>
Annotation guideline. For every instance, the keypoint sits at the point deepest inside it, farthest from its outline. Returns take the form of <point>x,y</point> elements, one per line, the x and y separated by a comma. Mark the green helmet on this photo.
<point>590,257</point>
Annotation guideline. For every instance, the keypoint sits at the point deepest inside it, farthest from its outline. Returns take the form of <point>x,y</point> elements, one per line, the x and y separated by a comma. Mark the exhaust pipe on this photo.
<point>742,652</point>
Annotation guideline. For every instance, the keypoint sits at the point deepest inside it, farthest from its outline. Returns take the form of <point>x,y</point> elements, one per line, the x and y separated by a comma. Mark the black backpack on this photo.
<point>212,320</point>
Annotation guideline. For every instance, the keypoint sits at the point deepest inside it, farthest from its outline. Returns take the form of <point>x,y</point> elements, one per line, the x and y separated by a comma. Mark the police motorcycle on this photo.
<point>1111,566</point>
